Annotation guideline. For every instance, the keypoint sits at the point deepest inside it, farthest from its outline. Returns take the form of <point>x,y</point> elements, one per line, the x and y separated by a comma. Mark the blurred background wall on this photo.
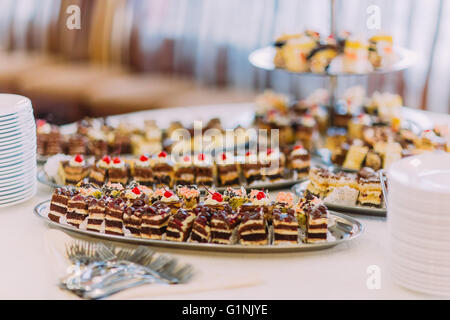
<point>138,54</point>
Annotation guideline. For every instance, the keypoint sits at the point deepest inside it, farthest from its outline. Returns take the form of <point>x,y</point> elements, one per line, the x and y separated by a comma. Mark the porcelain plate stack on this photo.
<point>17,150</point>
<point>419,222</point>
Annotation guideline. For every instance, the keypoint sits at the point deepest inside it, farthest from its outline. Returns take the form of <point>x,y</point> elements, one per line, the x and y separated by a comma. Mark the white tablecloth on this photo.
<point>338,273</point>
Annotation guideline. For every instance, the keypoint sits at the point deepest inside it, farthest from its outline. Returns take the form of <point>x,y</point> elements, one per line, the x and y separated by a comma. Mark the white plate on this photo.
<point>16,156</point>
<point>428,172</point>
<point>15,139</point>
<point>18,195</point>
<point>24,118</point>
<point>415,283</point>
<point>25,126</point>
<point>12,103</point>
<point>15,116</point>
<point>22,177</point>
<point>21,171</point>
<point>17,201</point>
<point>14,167</point>
<point>15,191</point>
<point>17,146</point>
<point>433,257</point>
<point>425,215</point>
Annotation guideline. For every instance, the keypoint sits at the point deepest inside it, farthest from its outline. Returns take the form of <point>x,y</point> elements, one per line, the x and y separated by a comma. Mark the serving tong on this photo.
<point>100,270</point>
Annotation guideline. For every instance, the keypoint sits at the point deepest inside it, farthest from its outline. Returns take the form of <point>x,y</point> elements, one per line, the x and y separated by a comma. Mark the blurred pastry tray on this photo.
<point>300,188</point>
<point>342,229</point>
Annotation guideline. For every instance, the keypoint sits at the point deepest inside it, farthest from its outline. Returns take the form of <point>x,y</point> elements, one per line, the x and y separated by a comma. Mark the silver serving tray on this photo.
<point>342,229</point>
<point>43,178</point>
<point>299,188</point>
<point>263,59</point>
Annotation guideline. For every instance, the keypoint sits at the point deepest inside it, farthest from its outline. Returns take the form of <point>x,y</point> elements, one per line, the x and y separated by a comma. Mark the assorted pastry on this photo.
<point>365,131</point>
<point>95,137</point>
<point>311,52</point>
<point>182,215</point>
<point>349,189</point>
<point>163,169</point>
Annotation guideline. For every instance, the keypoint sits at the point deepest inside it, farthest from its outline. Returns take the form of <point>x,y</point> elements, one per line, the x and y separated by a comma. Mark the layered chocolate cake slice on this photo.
<point>204,174</point>
<point>201,229</point>
<point>132,219</point>
<point>119,171</point>
<point>222,225</point>
<point>253,229</point>
<point>114,217</point>
<point>184,171</point>
<point>55,142</point>
<point>316,221</point>
<point>179,226</point>
<point>299,161</point>
<point>96,210</point>
<point>190,195</point>
<point>251,168</point>
<point>99,171</point>
<point>370,191</point>
<point>285,227</point>
<point>163,171</point>
<point>43,129</point>
<point>77,144</point>
<point>154,221</point>
<point>273,162</point>
<point>77,210</point>
<point>143,173</point>
<point>73,171</point>
<point>227,170</point>
<point>59,201</point>
<point>97,145</point>
<point>258,199</point>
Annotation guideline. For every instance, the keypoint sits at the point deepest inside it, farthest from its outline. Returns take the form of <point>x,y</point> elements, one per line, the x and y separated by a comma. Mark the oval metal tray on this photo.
<point>299,188</point>
<point>342,229</point>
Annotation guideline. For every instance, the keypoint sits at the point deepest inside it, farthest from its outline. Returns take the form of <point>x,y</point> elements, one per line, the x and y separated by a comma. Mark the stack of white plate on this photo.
<point>419,222</point>
<point>17,150</point>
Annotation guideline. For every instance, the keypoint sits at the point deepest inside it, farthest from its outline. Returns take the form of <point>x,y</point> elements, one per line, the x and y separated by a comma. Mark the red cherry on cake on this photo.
<point>168,194</point>
<point>78,158</point>
<point>269,151</point>
<point>260,195</point>
<point>217,196</point>
<point>201,157</point>
<point>224,156</point>
<point>106,159</point>
<point>162,154</point>
<point>116,160</point>
<point>136,190</point>
<point>40,123</point>
<point>248,153</point>
<point>186,159</point>
<point>143,158</point>
<point>298,147</point>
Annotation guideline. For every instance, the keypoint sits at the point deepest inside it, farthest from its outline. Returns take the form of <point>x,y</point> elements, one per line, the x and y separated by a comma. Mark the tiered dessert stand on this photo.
<point>263,59</point>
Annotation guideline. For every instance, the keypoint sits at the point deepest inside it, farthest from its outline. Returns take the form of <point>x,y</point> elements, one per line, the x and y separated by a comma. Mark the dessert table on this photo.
<point>341,272</point>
